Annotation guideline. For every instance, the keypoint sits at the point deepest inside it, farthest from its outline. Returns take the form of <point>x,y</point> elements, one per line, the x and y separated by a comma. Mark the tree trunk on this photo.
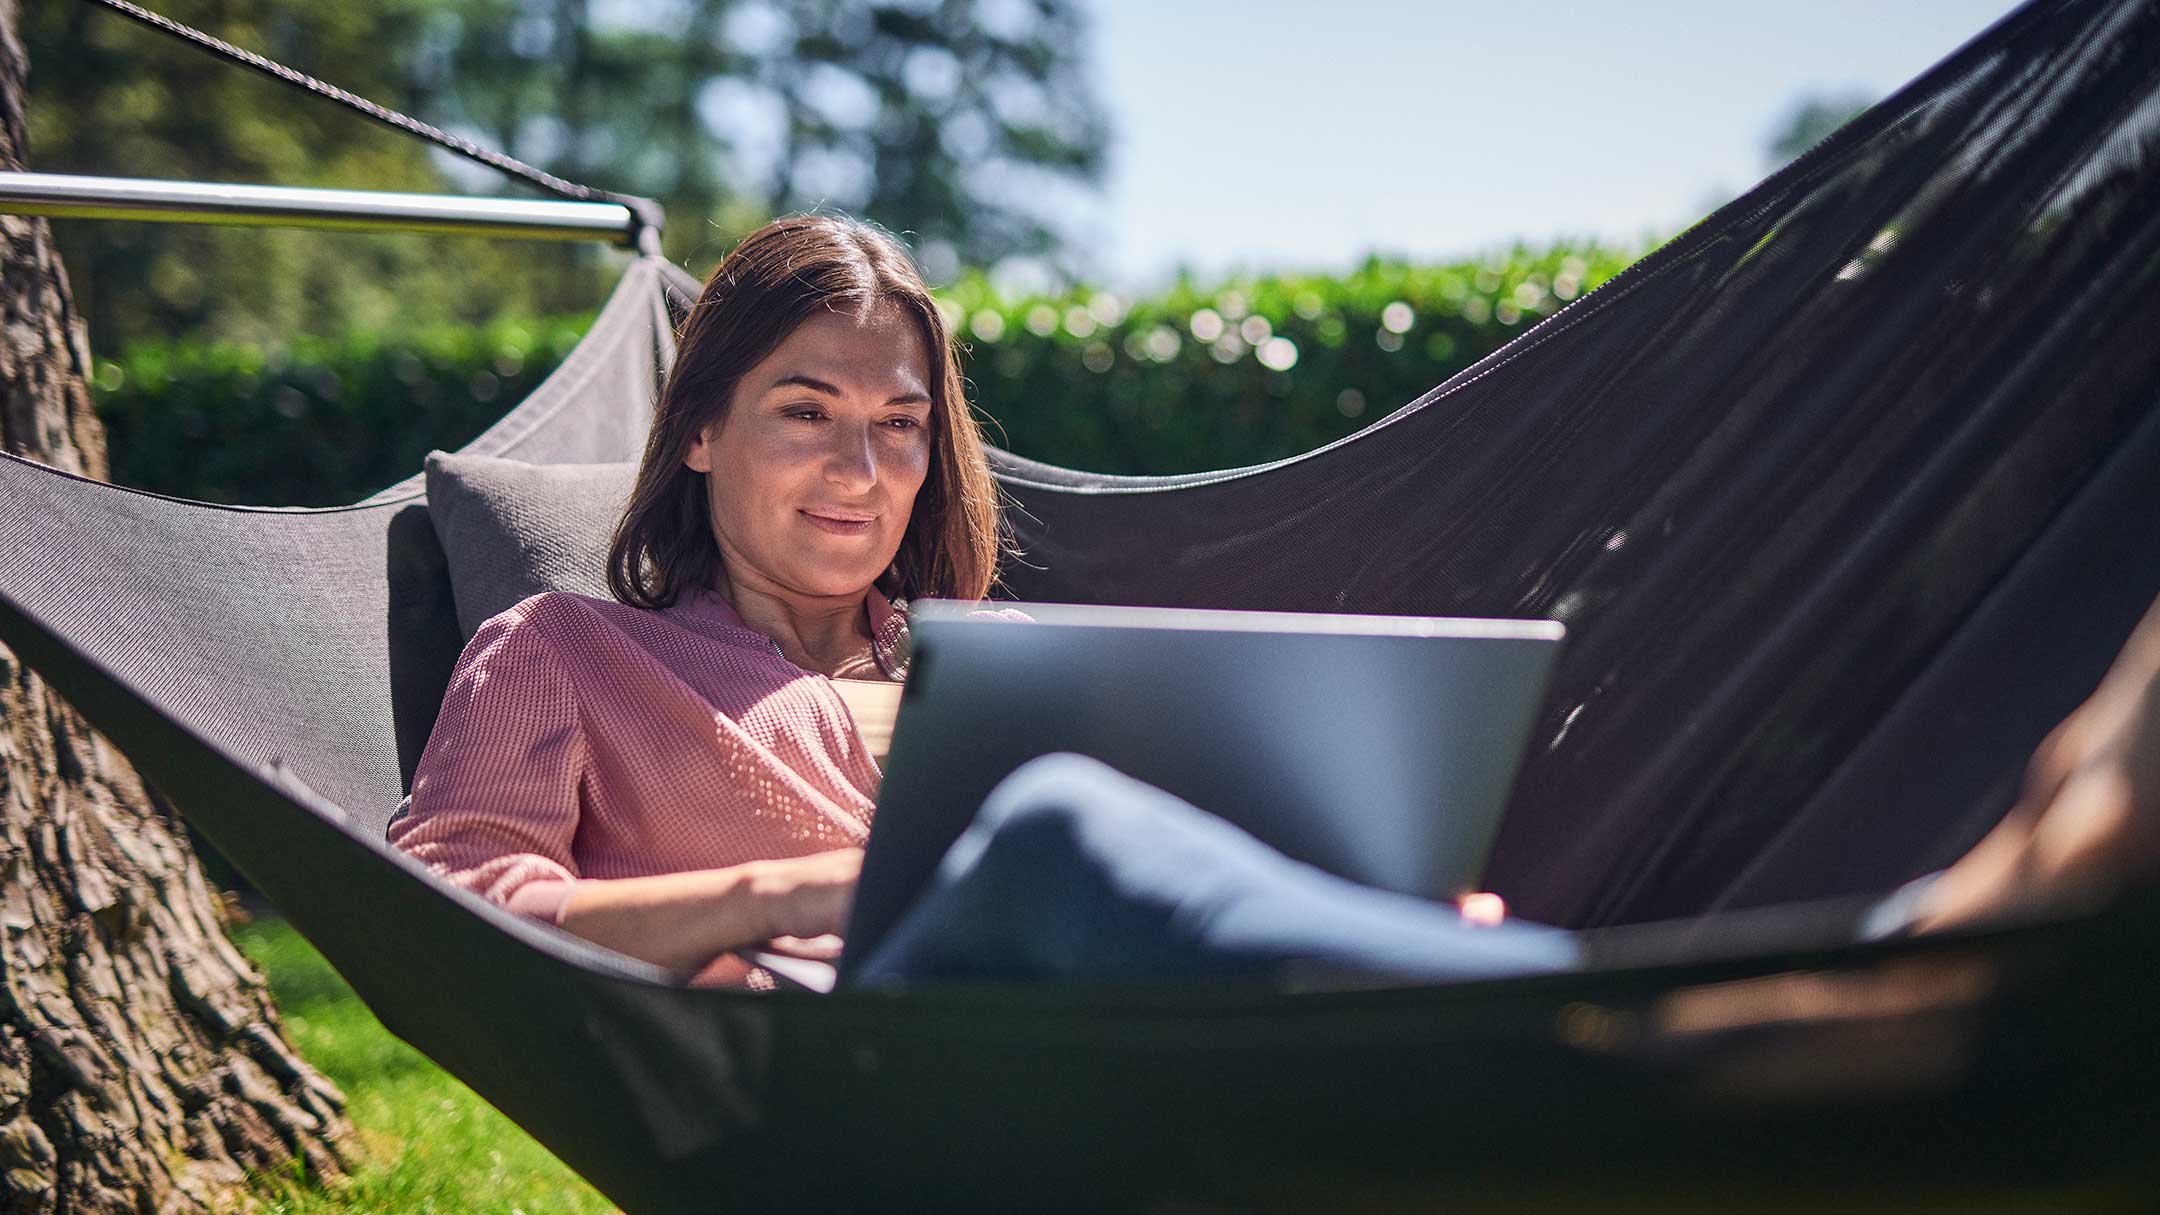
<point>142,1066</point>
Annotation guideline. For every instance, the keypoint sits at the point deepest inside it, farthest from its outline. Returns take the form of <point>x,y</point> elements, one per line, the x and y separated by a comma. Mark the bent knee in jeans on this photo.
<point>1112,821</point>
<point>1072,868</point>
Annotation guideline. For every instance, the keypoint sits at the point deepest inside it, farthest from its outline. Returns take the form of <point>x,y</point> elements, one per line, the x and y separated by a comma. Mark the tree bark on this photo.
<point>142,1065</point>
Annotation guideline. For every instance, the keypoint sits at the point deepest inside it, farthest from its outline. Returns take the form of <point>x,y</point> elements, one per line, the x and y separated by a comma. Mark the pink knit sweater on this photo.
<point>583,738</point>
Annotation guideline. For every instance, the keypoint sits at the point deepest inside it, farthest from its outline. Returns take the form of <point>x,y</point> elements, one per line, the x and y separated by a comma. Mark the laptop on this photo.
<point>1379,748</point>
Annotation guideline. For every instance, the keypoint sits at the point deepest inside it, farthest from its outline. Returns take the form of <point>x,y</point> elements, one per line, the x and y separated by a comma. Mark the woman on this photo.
<point>692,767</point>
<point>689,769</point>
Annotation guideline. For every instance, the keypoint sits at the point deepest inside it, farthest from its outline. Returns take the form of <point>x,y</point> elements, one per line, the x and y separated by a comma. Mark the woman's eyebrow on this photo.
<point>799,380</point>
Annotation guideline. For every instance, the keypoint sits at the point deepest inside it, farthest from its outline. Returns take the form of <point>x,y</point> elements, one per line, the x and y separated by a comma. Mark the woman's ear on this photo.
<point>699,457</point>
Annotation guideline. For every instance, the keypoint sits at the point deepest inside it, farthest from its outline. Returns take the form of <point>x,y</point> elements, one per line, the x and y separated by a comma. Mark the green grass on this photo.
<point>428,1145</point>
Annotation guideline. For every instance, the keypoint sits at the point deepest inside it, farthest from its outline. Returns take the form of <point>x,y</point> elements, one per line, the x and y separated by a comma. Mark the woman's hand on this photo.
<point>805,896</point>
<point>684,920</point>
<point>2088,821</point>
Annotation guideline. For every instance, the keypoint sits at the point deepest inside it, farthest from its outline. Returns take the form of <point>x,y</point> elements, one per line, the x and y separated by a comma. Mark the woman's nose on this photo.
<point>851,463</point>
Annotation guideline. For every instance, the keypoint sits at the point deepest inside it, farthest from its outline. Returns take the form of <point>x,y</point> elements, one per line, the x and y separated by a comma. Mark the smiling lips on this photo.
<point>841,523</point>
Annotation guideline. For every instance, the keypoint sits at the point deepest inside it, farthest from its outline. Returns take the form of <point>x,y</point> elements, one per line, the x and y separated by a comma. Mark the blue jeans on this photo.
<point>1074,870</point>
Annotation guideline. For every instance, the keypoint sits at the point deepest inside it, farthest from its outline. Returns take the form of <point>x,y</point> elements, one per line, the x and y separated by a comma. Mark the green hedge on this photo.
<point>1198,377</point>
<point>320,422</point>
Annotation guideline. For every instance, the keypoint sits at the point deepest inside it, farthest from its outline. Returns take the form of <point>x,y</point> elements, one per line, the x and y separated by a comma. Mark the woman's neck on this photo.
<point>816,633</point>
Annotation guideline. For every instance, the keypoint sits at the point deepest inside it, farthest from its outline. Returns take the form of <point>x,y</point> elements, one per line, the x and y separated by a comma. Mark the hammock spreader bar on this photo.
<point>64,196</point>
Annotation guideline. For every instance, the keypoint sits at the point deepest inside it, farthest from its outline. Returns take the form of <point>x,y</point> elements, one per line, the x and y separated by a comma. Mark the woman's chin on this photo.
<point>851,582</point>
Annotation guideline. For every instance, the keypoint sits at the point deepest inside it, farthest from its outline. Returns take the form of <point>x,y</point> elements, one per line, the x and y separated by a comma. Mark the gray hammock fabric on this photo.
<point>1846,496</point>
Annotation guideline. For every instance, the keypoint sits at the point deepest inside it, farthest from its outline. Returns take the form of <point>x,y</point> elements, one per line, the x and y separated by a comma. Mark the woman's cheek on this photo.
<point>916,459</point>
<point>906,474</point>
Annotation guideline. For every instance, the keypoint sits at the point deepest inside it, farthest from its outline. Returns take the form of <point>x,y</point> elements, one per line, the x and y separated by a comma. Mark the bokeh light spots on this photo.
<point>1277,354</point>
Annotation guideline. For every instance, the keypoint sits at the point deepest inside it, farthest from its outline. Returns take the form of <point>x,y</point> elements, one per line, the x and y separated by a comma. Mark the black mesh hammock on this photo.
<point>1846,495</point>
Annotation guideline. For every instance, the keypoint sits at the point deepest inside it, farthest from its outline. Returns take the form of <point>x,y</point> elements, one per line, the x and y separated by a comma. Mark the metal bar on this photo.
<point>64,196</point>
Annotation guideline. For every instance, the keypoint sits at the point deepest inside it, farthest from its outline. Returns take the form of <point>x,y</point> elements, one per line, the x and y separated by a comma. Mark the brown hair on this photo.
<point>774,281</point>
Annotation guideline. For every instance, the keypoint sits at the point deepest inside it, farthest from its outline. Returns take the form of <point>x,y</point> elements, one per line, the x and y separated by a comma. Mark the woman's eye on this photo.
<point>904,423</point>
<point>808,415</point>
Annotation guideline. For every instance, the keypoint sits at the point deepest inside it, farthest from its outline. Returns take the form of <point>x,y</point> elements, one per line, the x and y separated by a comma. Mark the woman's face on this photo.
<point>814,467</point>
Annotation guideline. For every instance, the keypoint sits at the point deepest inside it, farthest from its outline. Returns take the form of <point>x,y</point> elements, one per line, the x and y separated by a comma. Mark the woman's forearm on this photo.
<point>677,920</point>
<point>684,920</point>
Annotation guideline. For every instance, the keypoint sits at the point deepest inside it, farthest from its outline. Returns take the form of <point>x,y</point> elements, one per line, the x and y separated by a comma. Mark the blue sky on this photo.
<point>1264,133</point>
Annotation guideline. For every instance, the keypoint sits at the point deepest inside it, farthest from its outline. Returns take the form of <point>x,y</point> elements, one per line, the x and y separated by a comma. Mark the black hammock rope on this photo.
<point>646,211</point>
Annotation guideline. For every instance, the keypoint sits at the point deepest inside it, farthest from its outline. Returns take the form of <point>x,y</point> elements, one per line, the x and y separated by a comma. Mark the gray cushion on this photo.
<point>512,529</point>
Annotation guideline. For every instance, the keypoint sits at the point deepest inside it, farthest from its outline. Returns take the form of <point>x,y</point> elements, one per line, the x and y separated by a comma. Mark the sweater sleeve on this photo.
<point>494,804</point>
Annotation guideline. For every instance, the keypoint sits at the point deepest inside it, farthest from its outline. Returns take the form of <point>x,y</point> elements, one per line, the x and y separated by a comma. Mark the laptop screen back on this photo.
<point>1378,748</point>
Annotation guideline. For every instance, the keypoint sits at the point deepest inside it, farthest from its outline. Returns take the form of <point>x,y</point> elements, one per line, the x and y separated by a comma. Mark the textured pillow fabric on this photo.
<point>512,529</point>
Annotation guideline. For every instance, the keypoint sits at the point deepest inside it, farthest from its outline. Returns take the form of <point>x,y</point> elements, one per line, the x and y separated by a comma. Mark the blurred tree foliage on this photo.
<point>1200,377</point>
<point>109,97</point>
<point>1811,120</point>
<point>959,122</point>
<point>948,120</point>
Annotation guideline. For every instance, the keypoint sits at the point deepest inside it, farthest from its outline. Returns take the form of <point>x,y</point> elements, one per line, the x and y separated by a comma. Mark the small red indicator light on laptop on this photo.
<point>1482,908</point>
